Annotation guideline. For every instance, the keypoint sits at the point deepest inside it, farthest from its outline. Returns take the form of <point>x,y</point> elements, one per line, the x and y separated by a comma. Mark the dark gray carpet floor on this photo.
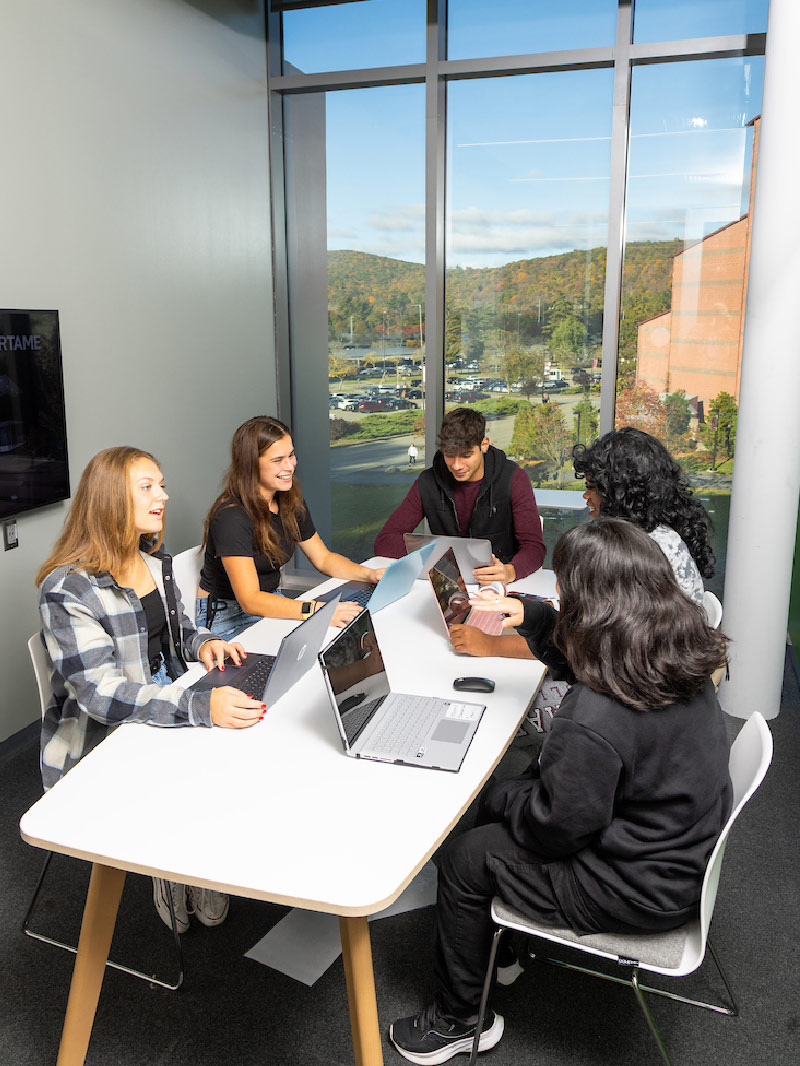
<point>234,1011</point>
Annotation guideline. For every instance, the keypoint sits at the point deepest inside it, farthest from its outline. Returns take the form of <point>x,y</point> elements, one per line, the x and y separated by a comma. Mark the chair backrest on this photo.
<point>186,569</point>
<point>713,609</point>
<point>751,754</point>
<point>39,660</point>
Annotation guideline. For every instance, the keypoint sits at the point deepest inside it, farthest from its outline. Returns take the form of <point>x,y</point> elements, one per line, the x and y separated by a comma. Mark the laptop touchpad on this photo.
<point>450,732</point>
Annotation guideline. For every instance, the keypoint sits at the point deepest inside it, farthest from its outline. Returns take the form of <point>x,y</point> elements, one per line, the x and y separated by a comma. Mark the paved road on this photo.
<point>385,462</point>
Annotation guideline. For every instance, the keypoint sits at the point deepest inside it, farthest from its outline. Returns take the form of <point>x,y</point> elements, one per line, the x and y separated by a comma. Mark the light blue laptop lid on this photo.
<point>399,578</point>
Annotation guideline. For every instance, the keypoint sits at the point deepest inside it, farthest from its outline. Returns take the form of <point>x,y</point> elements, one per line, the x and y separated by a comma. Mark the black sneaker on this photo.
<point>428,1038</point>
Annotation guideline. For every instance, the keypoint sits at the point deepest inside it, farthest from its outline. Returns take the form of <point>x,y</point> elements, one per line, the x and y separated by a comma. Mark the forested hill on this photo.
<point>367,286</point>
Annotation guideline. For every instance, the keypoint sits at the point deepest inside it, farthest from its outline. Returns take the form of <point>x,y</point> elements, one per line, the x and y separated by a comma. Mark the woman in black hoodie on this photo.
<point>611,830</point>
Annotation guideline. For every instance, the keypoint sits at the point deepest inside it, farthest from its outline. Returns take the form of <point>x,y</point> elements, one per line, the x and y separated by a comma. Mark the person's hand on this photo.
<point>468,640</point>
<point>495,571</point>
<point>231,709</point>
<point>214,653</point>
<point>345,613</point>
<point>489,600</point>
<point>374,575</point>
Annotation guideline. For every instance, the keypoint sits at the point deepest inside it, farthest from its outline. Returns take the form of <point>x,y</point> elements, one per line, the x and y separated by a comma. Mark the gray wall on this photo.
<point>134,199</point>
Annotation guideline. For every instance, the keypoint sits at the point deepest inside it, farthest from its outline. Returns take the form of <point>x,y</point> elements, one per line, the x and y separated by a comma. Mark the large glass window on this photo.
<point>376,306</point>
<point>532,176</point>
<point>693,130</point>
<point>517,27</point>
<point>670,20</point>
<point>370,33</point>
<point>527,218</point>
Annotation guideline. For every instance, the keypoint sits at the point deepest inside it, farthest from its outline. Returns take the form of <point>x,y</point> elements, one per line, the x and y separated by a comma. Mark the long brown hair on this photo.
<point>100,533</point>
<point>625,626</point>
<point>242,486</point>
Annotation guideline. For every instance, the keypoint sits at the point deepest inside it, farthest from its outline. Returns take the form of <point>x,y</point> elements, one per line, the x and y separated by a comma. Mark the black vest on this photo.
<point>492,518</point>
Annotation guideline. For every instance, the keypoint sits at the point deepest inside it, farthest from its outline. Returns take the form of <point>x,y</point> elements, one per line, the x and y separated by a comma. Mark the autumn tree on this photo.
<point>678,417</point>
<point>540,432</point>
<point>568,340</point>
<point>586,420</point>
<point>523,366</point>
<point>338,367</point>
<point>719,432</point>
<point>640,407</point>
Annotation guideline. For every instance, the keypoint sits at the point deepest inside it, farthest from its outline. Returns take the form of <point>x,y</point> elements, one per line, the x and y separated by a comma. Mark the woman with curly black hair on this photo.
<point>631,475</point>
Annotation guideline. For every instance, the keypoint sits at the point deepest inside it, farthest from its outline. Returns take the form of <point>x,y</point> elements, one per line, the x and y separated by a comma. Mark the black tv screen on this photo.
<point>33,431</point>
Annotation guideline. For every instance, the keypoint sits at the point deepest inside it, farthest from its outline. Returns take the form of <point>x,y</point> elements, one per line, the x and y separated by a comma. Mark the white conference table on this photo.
<point>285,815</point>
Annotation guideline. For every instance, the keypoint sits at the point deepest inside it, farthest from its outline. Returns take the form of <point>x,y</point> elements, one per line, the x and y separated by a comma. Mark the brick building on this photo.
<point>697,344</point>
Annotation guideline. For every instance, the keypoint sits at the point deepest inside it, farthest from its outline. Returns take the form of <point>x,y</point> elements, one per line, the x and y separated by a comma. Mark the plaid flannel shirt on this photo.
<point>95,633</point>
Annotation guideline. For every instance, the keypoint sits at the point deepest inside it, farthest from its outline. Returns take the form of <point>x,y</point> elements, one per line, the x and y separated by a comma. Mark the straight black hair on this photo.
<point>625,626</point>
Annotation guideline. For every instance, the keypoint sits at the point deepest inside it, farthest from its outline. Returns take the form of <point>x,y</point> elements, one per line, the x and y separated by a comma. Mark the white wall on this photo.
<point>134,199</point>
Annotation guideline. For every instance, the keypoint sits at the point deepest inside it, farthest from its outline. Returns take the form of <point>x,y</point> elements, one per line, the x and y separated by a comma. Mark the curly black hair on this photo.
<point>637,479</point>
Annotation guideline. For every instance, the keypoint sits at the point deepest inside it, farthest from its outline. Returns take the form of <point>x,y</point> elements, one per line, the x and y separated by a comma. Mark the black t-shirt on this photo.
<point>156,622</point>
<point>231,534</point>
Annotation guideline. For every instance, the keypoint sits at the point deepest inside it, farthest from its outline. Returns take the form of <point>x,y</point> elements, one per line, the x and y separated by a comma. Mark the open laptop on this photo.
<point>272,676</point>
<point>453,599</point>
<point>469,552</point>
<point>397,580</point>
<point>376,723</point>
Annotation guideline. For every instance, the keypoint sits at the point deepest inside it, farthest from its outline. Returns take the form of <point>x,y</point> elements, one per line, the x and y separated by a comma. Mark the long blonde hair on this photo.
<point>100,533</point>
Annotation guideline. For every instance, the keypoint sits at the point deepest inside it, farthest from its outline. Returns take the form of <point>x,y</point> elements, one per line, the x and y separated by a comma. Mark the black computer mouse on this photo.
<point>473,684</point>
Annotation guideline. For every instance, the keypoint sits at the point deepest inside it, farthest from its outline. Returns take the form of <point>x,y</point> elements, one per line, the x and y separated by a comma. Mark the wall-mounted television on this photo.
<point>33,430</point>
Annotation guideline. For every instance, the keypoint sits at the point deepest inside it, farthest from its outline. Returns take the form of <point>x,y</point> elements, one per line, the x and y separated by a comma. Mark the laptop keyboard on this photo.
<point>401,731</point>
<point>360,596</point>
<point>256,681</point>
<point>491,624</point>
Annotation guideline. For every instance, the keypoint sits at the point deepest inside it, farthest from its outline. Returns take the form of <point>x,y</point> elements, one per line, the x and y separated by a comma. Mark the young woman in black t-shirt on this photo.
<point>251,531</point>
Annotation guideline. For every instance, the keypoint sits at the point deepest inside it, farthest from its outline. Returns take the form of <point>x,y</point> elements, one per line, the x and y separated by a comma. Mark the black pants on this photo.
<point>474,867</point>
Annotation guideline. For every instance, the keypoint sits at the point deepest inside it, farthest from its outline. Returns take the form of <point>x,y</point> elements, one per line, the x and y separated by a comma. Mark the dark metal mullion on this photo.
<point>741,44</point>
<point>280,268</point>
<point>435,148</point>
<point>616,213</point>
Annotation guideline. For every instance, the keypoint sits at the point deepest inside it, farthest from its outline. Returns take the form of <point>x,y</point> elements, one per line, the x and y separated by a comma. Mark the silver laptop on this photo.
<point>452,598</point>
<point>398,580</point>
<point>469,552</point>
<point>376,723</point>
<point>271,676</point>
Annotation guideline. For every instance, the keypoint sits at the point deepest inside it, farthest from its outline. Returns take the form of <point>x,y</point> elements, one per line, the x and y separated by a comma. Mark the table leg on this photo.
<point>357,959</point>
<point>97,929</point>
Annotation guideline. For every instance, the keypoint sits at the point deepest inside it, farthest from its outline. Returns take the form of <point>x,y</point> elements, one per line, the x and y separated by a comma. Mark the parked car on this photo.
<point>554,386</point>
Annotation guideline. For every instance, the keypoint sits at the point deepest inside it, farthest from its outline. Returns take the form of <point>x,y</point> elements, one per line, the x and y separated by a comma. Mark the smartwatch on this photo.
<point>307,608</point>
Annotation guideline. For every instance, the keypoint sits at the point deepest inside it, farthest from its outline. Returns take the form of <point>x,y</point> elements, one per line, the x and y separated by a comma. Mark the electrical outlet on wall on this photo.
<point>10,535</point>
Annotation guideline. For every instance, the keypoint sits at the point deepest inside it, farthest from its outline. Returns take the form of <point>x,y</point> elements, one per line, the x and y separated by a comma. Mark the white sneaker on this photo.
<point>208,906</point>
<point>162,890</point>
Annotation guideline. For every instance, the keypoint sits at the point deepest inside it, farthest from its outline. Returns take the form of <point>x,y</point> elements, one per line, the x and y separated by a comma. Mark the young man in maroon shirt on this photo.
<point>472,490</point>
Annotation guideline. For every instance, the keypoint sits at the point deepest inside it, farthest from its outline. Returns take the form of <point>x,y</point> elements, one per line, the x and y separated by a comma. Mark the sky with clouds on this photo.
<point>528,157</point>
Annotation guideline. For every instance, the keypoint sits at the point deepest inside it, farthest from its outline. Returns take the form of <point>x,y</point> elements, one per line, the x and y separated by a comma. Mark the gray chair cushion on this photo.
<point>659,950</point>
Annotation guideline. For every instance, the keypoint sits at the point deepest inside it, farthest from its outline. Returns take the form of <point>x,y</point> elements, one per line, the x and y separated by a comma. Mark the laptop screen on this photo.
<point>354,667</point>
<point>450,590</point>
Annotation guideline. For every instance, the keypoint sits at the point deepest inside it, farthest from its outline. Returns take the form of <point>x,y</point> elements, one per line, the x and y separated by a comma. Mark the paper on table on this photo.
<point>305,943</point>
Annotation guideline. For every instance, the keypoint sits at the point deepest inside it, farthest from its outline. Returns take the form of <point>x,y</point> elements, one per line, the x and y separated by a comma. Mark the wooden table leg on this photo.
<point>357,959</point>
<point>97,929</point>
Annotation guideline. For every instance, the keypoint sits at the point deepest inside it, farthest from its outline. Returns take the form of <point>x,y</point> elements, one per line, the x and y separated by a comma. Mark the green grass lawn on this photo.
<point>358,513</point>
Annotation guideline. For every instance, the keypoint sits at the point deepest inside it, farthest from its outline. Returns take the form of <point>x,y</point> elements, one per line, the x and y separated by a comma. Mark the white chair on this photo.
<point>673,954</point>
<point>186,567</point>
<point>39,659</point>
<point>713,609</point>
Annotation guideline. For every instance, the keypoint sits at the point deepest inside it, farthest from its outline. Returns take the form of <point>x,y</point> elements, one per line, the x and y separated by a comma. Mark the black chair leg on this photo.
<point>170,985</point>
<point>487,984</point>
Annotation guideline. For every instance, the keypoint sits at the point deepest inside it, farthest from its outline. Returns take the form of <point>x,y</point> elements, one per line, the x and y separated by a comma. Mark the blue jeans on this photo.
<point>229,618</point>
<point>161,677</point>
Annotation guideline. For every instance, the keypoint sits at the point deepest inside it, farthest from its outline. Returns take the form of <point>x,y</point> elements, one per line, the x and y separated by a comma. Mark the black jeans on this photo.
<point>474,867</point>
